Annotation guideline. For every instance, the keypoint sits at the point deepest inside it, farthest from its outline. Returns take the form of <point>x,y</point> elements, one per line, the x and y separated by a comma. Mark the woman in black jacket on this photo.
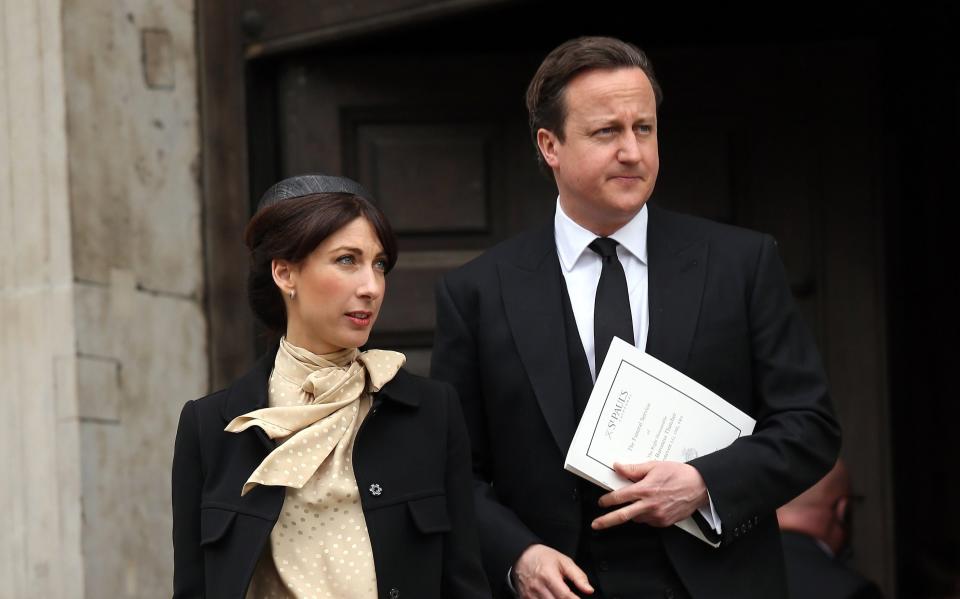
<point>324,471</point>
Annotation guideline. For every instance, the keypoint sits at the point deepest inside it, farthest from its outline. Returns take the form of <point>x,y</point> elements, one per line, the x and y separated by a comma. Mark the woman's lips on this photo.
<point>360,318</point>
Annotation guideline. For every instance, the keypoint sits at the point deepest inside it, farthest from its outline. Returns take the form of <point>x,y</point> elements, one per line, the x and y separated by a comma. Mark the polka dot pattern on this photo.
<point>319,546</point>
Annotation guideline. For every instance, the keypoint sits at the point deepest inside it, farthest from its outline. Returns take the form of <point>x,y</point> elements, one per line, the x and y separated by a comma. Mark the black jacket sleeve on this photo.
<point>187,483</point>
<point>463,574</point>
<point>503,535</point>
<point>797,438</point>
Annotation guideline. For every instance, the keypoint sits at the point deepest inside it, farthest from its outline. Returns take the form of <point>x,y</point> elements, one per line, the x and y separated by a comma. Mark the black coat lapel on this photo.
<point>531,288</point>
<point>249,393</point>
<point>402,388</point>
<point>676,275</point>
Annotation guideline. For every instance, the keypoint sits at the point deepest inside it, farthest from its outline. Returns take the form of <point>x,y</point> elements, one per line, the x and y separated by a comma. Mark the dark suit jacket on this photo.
<point>813,574</point>
<point>720,311</point>
<point>412,443</point>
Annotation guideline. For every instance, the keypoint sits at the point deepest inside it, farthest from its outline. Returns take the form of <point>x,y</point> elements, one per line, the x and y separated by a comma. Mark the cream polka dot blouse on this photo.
<point>319,547</point>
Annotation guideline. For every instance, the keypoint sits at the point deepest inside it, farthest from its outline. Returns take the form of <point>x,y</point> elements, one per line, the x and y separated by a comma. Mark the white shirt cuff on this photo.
<point>709,514</point>
<point>510,581</point>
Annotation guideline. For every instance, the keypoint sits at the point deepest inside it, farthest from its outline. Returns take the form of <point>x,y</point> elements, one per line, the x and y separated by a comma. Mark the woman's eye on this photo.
<point>346,259</point>
<point>380,264</point>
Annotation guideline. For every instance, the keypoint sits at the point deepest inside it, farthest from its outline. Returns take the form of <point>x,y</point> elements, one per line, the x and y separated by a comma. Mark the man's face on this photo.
<point>607,165</point>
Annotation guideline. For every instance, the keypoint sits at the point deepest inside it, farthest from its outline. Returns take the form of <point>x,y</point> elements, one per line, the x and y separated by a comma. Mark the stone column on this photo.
<point>40,516</point>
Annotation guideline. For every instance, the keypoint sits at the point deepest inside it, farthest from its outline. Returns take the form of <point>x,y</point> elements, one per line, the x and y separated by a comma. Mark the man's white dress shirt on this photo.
<point>581,268</point>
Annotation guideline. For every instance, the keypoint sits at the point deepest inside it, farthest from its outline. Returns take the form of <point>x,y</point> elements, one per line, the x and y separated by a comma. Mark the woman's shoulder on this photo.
<point>242,395</point>
<point>210,400</point>
<point>204,407</point>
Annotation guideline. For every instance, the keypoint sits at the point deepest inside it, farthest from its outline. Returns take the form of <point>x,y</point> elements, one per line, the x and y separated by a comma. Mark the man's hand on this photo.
<point>662,494</point>
<point>541,573</point>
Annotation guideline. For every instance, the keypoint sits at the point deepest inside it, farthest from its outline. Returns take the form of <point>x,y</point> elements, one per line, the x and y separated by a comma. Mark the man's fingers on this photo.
<point>566,569</point>
<point>558,589</point>
<point>634,472</point>
<point>551,584</point>
<point>623,515</point>
<point>665,493</point>
<point>541,573</point>
<point>627,494</point>
<point>572,572</point>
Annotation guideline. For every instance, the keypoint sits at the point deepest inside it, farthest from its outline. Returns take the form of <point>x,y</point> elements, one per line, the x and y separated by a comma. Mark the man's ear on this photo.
<point>840,508</point>
<point>548,143</point>
<point>284,275</point>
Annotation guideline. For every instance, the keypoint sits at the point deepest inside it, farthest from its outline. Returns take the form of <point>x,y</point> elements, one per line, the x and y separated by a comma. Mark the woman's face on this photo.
<point>338,290</point>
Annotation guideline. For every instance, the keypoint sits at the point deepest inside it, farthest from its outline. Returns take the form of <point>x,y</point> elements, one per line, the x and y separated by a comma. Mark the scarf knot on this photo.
<point>314,409</point>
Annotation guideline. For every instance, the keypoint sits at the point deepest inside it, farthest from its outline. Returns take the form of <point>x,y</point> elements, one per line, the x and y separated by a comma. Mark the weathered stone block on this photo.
<point>98,389</point>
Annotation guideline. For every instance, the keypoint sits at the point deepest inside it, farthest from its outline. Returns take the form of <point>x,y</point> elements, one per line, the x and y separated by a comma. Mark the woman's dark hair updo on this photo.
<point>293,217</point>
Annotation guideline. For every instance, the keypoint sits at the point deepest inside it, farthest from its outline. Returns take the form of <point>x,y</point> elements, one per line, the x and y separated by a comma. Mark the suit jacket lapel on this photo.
<point>676,277</point>
<point>533,303</point>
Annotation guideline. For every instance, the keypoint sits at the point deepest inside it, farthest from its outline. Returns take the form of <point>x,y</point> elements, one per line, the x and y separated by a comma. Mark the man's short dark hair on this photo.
<point>545,94</point>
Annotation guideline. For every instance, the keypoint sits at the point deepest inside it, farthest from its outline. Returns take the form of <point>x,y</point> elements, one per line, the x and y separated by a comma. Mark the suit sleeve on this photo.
<point>455,359</point>
<point>463,574</point>
<point>187,483</point>
<point>796,439</point>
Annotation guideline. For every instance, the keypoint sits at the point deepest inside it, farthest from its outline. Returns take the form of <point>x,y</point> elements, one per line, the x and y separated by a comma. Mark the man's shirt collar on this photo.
<point>572,239</point>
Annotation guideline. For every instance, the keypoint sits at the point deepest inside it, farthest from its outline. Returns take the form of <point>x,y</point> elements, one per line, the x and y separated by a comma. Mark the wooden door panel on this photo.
<point>439,154</point>
<point>429,177</point>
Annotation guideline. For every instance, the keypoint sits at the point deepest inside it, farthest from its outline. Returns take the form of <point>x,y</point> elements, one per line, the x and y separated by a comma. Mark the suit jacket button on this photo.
<point>376,490</point>
<point>394,593</point>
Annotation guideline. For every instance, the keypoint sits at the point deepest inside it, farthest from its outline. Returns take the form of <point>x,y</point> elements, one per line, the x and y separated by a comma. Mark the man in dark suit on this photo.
<point>815,534</point>
<point>522,332</point>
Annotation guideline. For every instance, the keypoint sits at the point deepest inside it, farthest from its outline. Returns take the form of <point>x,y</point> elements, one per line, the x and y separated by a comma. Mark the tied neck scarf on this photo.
<point>324,416</point>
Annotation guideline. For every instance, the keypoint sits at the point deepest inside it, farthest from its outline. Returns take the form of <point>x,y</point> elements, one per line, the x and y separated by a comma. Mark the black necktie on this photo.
<point>611,308</point>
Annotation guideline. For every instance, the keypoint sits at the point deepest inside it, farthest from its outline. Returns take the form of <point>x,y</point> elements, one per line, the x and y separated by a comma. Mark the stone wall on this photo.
<point>103,334</point>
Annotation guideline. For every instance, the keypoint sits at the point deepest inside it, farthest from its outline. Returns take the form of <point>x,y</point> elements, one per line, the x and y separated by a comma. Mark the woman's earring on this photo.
<point>293,293</point>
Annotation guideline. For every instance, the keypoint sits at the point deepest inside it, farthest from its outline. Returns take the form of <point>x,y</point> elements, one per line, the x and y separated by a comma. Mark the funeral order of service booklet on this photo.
<point>642,410</point>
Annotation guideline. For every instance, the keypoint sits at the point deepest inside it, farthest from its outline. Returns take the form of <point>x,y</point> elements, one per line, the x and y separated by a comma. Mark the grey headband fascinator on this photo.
<point>304,185</point>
